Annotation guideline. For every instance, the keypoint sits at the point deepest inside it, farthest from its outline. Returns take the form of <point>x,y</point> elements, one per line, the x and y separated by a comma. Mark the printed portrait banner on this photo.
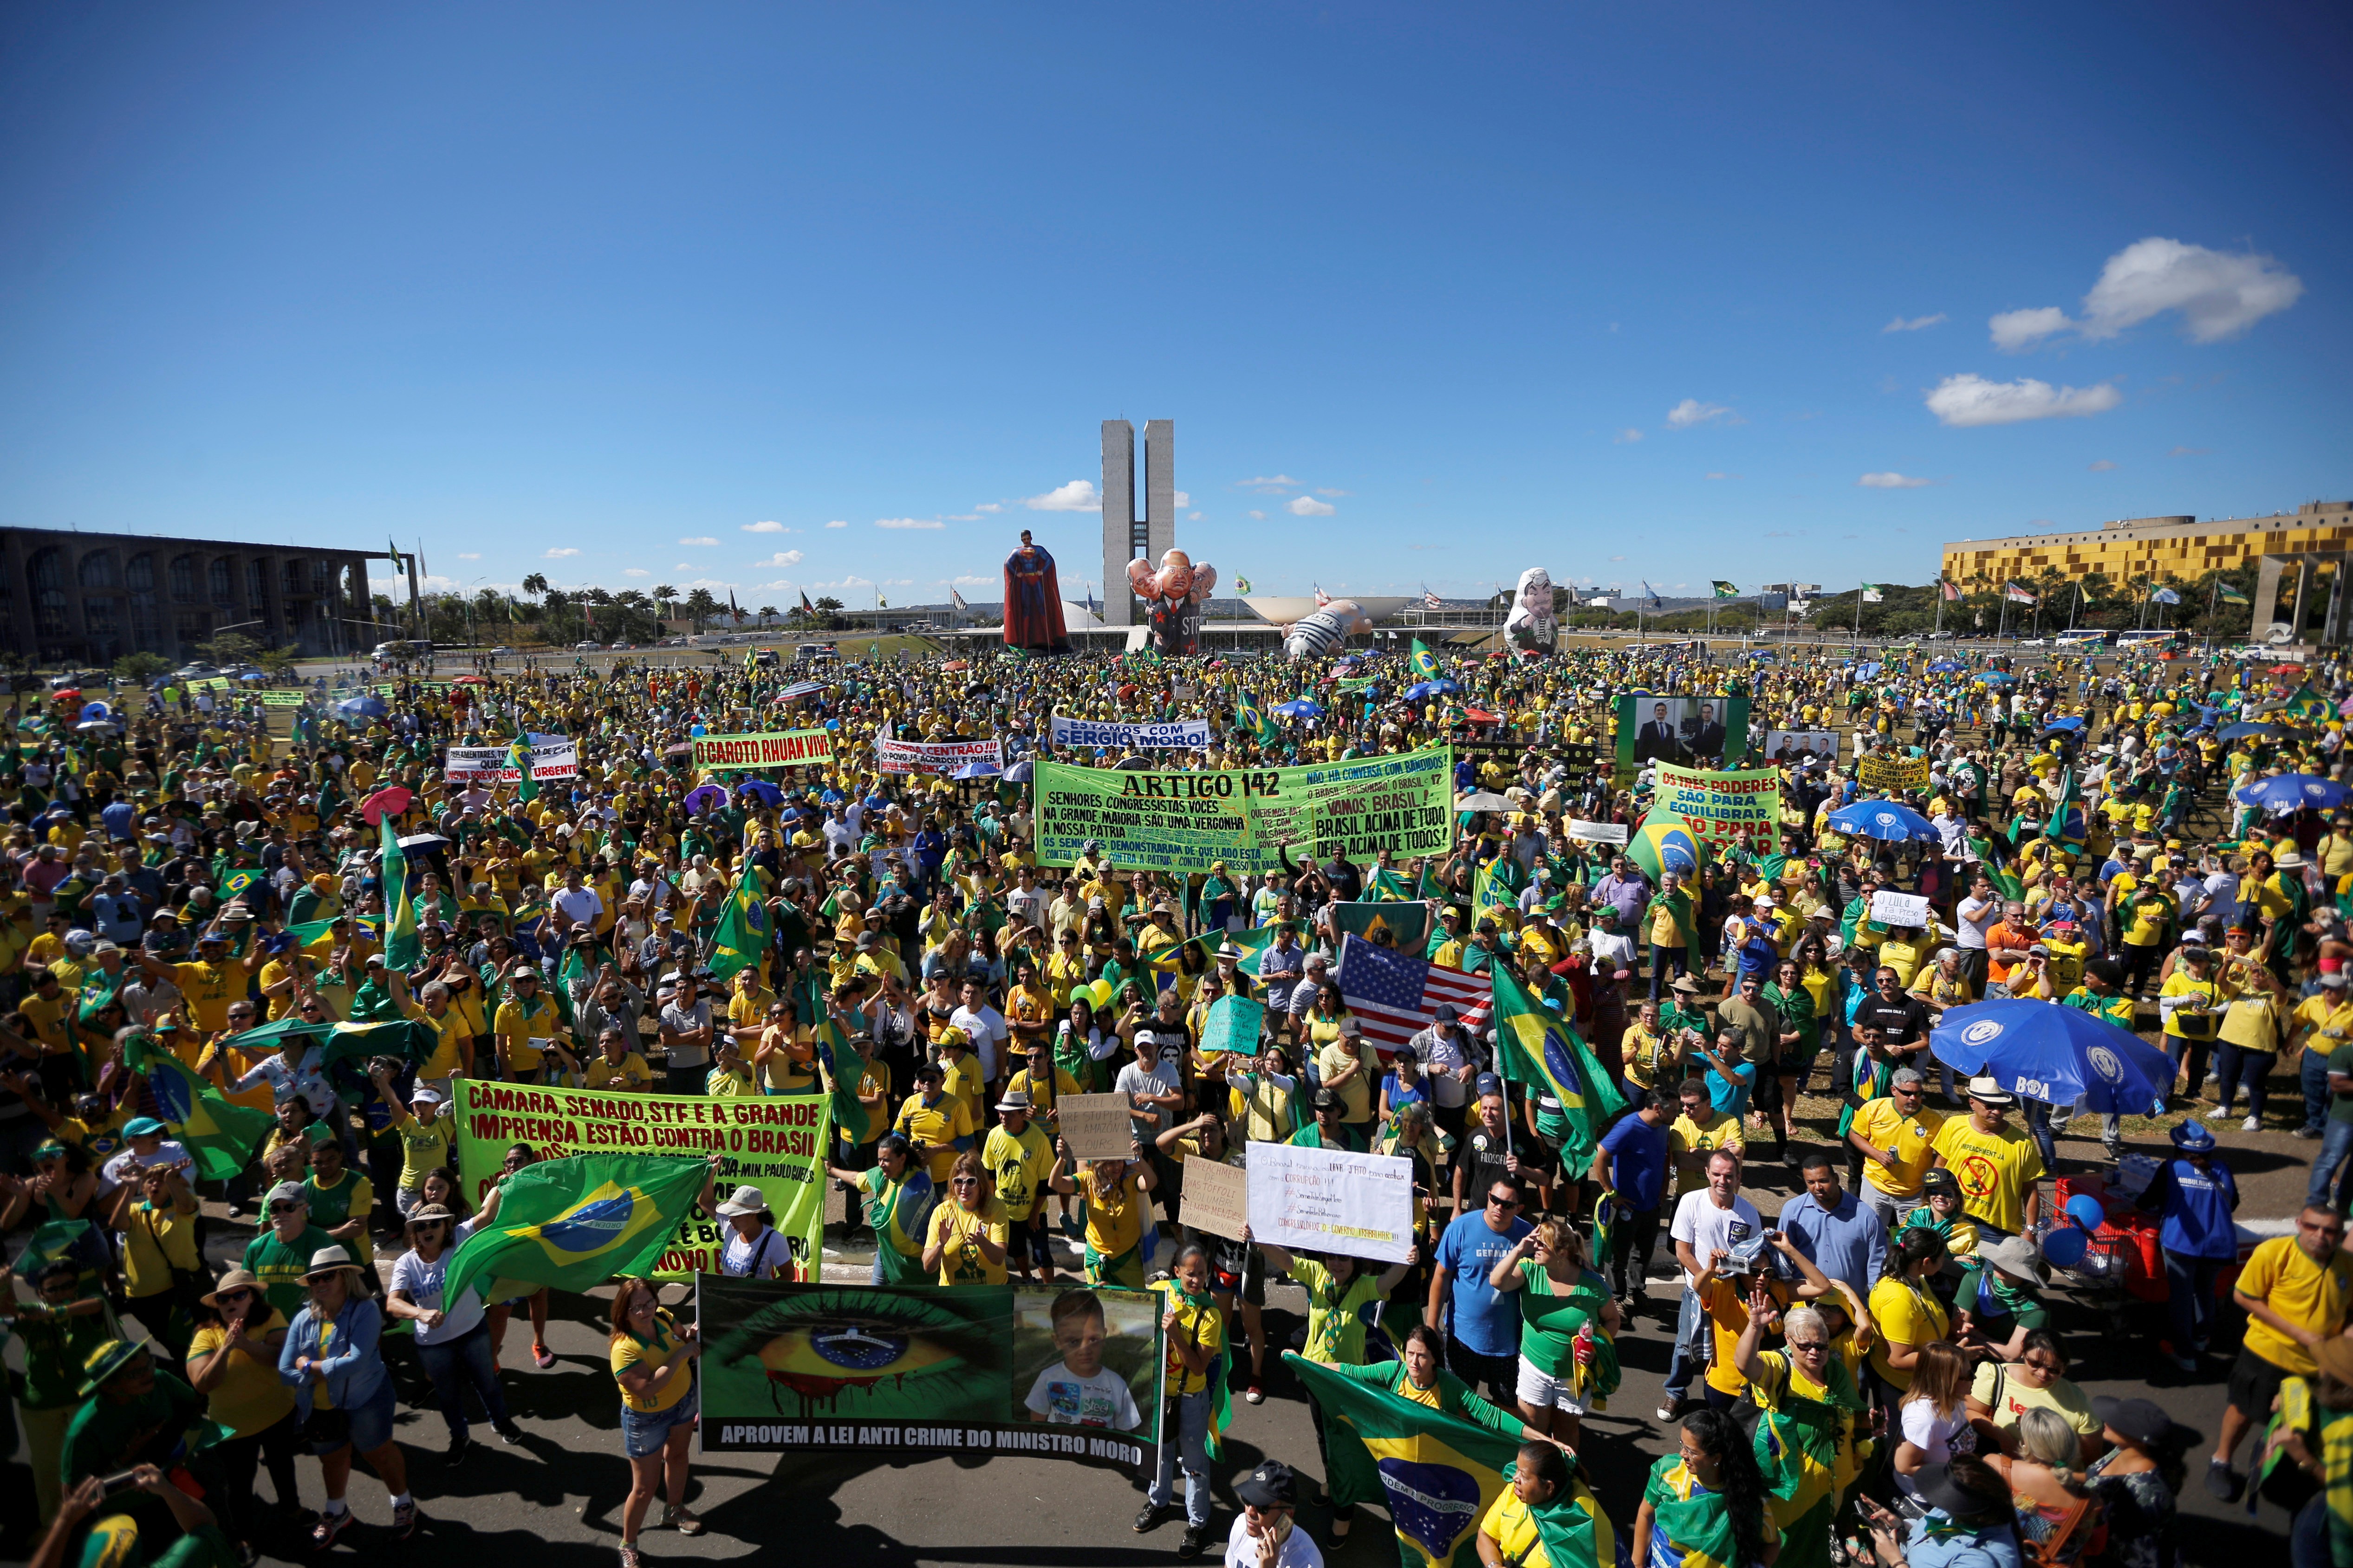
<point>1720,808</point>
<point>776,1143</point>
<point>1894,774</point>
<point>1184,822</point>
<point>1789,742</point>
<point>1330,1200</point>
<point>552,757</point>
<point>779,749</point>
<point>1190,734</point>
<point>936,756</point>
<point>913,1370</point>
<point>1680,730</point>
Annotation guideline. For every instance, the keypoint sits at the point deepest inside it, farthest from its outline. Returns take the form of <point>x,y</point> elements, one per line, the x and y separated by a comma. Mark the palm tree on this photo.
<point>663,595</point>
<point>767,614</point>
<point>701,606</point>
<point>535,583</point>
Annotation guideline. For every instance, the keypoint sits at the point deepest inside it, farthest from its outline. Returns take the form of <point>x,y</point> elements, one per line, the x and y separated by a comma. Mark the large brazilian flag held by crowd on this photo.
<point>575,1223</point>
<point>1439,1474</point>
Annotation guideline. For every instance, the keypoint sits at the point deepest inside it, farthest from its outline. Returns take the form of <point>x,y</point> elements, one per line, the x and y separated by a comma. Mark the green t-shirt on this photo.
<point>1550,1316</point>
<point>55,1351</point>
<point>280,1268</point>
<point>1335,1321</point>
<point>105,1436</point>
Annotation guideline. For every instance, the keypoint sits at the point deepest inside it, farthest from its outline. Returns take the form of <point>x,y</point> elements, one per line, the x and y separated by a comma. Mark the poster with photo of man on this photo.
<point>1689,732</point>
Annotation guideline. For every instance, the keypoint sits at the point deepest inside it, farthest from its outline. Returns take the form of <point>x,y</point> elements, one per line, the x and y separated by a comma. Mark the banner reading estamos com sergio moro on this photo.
<point>1184,821</point>
<point>1720,808</point>
<point>776,1143</point>
<point>778,749</point>
<point>1034,1372</point>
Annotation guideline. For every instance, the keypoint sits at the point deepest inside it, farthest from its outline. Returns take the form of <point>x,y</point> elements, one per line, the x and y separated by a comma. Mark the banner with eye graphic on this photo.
<point>1044,1372</point>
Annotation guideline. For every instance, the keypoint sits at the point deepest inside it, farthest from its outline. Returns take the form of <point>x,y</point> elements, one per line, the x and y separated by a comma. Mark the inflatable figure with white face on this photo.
<point>1326,631</point>
<point>1173,597</point>
<point>1530,627</point>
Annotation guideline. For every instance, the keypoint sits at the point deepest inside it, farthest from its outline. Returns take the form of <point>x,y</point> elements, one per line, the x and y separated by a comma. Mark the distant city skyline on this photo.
<point>814,301</point>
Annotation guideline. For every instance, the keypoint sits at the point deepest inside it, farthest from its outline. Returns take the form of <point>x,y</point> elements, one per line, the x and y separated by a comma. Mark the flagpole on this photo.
<point>1858,615</point>
<point>1940,608</point>
<point>2213,593</point>
<point>2001,624</point>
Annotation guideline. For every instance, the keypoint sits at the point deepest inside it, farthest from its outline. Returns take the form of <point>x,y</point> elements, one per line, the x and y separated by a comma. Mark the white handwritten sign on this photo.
<point>1328,1200</point>
<point>1899,909</point>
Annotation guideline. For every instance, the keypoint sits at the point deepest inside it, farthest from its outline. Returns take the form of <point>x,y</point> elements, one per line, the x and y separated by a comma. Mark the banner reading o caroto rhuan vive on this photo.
<point>1183,821</point>
<point>777,1143</point>
<point>1719,807</point>
<point>779,749</point>
<point>1029,1371</point>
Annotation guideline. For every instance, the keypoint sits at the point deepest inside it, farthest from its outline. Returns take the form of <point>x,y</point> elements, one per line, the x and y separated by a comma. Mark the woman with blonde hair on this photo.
<point>1933,1417</point>
<point>964,1242</point>
<point>653,1360</point>
<point>2051,1490</point>
<point>1565,1368</point>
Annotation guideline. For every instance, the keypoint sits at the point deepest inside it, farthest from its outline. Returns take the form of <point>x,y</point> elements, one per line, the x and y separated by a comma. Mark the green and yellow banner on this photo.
<point>1721,808</point>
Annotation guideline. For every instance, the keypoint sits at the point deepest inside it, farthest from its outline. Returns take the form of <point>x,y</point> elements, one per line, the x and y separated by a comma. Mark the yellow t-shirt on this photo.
<point>249,1398</point>
<point>1115,1216</point>
<point>962,1262</point>
<point>1910,1137</point>
<point>938,1126</point>
<point>154,1242</point>
<point>1907,1313</point>
<point>209,988</point>
<point>2332,1022</point>
<point>1018,1166</point>
<point>2203,1017</point>
<point>1197,1322</point>
<point>424,1146</point>
<point>2283,1275</point>
<point>1686,1137</point>
<point>1513,1528</point>
<point>1996,1169</point>
<point>630,1075</point>
<point>451,1027</point>
<point>963,1081</point>
<point>628,1350</point>
<point>519,1027</point>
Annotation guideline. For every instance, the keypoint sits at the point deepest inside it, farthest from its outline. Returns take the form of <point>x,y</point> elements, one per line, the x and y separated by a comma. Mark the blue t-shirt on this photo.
<point>1731,1094</point>
<point>1485,1320</point>
<point>2197,1207</point>
<point>1637,1162</point>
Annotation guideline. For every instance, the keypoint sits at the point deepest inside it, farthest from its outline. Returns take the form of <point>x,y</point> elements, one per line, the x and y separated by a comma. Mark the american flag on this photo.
<point>1431,601</point>
<point>1392,994</point>
<point>1322,599</point>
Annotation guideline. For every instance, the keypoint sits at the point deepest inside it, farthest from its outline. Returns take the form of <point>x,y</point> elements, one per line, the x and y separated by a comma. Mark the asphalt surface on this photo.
<point>558,1496</point>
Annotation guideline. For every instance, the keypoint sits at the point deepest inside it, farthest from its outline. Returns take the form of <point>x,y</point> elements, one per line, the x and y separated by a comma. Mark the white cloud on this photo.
<point>836,523</point>
<point>2219,294</point>
<point>1079,495</point>
<point>1900,325</point>
<point>1308,506</point>
<point>1324,492</point>
<point>781,558</point>
<point>700,539</point>
<point>635,571</point>
<point>1192,517</point>
<point>1962,401</point>
<point>1691,411</point>
<point>469,556</point>
<point>1265,481</point>
<point>556,553</point>
<point>984,506</point>
<point>1184,499</point>
<point>909,522</point>
<point>683,566</point>
<point>964,517</point>
<point>1890,481</point>
<point>2016,330</point>
<point>2101,467</point>
<point>1625,436</point>
<point>779,582</point>
<point>706,582</point>
<point>769,527</point>
<point>1257,516</point>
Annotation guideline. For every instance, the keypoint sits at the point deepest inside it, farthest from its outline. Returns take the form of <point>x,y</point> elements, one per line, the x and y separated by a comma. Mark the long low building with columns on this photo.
<point>71,597</point>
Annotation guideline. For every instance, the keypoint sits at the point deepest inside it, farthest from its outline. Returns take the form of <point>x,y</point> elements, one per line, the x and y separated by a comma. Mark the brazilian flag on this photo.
<point>1253,944</point>
<point>1424,662</point>
<point>1409,923</point>
<point>1248,716</point>
<point>404,1039</point>
<point>401,945</point>
<point>843,1061</point>
<point>576,1222</point>
<point>742,933</point>
<point>1388,886</point>
<point>237,880</point>
<point>518,759</point>
<point>1439,1474</point>
<point>1535,1047</point>
<point>2310,706</point>
<point>221,1136</point>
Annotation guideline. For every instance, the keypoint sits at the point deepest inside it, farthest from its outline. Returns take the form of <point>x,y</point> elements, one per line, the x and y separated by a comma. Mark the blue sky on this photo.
<point>1628,292</point>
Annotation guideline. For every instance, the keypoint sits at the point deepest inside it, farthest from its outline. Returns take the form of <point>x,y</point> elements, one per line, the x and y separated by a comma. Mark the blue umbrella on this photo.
<point>253,675</point>
<point>96,712</point>
<point>705,797</point>
<point>2061,1055</point>
<point>2234,731</point>
<point>2290,791</point>
<point>1888,820</point>
<point>761,790</point>
<point>1428,688</point>
<point>2070,725</point>
<point>976,770</point>
<point>1946,667</point>
<point>362,708</point>
<point>1997,678</point>
<point>1299,708</point>
<point>1020,772</point>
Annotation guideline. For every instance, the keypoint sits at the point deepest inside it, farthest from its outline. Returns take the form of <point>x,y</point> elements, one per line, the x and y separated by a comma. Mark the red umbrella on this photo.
<point>471,680</point>
<point>391,798</point>
<point>2287,669</point>
<point>1479,716</point>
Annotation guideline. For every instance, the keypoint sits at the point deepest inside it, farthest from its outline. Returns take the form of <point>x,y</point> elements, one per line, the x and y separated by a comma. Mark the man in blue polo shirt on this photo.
<point>1844,1238</point>
<point>1632,1163</point>
<point>1483,1334</point>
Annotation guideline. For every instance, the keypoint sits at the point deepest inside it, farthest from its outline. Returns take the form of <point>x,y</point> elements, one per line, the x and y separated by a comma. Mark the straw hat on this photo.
<point>235,1279</point>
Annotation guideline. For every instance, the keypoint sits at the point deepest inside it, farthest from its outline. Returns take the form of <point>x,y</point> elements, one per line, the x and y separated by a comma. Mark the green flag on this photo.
<point>1409,924</point>
<point>221,1136</point>
<point>519,758</point>
<point>743,931</point>
<point>1253,944</point>
<point>1248,715</point>
<point>576,1222</point>
<point>403,1039</point>
<point>401,946</point>
<point>1725,589</point>
<point>1423,662</point>
<point>1437,1472</point>
<point>1537,1046</point>
<point>237,880</point>
<point>848,1069</point>
<point>2231,595</point>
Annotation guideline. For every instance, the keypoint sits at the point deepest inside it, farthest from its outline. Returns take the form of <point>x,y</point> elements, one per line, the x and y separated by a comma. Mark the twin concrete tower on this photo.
<point>1126,536</point>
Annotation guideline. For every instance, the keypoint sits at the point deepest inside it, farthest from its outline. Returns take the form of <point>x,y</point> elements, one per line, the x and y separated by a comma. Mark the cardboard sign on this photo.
<point>1097,1126</point>
<point>1597,832</point>
<point>1216,1198</point>
<point>1233,1024</point>
<point>1894,910</point>
<point>1329,1200</point>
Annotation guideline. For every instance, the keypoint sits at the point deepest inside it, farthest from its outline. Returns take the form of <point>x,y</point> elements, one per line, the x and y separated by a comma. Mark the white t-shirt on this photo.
<point>1933,1435</point>
<point>738,1255</point>
<point>1977,918</point>
<point>1066,1399</point>
<point>421,1282</point>
<point>169,1152</point>
<point>1244,1550</point>
<point>1709,1228</point>
<point>988,1031</point>
<point>1134,1080</point>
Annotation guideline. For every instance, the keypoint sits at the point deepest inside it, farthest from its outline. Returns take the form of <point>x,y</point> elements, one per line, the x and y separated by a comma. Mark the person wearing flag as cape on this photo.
<point>1807,1441</point>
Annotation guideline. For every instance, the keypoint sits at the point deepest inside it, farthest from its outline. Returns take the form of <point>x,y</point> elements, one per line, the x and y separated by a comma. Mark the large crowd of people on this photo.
<point>1880,1369</point>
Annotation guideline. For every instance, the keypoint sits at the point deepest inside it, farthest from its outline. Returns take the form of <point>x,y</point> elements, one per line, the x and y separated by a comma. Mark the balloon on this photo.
<point>1205,577</point>
<point>1530,627</point>
<point>1665,843</point>
<point>2065,1247</point>
<point>2087,1211</point>
<point>1313,637</point>
<point>1171,596</point>
<point>1100,994</point>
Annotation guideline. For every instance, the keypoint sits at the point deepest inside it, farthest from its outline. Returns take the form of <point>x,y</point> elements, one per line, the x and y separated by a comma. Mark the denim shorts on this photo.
<point>371,1423</point>
<point>643,1434</point>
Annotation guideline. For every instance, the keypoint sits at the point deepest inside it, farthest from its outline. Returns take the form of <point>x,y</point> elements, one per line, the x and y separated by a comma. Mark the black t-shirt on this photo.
<point>1480,1154</point>
<point>1901,1023</point>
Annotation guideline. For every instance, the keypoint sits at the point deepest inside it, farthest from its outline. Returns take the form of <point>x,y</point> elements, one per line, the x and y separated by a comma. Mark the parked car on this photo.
<point>588,647</point>
<point>500,652</point>
<point>620,648</point>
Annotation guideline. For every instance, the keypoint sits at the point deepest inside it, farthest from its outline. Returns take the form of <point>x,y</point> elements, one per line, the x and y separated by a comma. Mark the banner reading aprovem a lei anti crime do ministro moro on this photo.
<point>777,1143</point>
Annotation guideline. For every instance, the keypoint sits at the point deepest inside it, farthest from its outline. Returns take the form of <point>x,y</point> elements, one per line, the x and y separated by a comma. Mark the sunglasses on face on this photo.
<point>1495,1202</point>
<point>285,1208</point>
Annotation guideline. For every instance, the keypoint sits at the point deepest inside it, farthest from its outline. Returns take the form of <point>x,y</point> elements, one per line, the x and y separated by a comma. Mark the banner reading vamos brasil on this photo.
<point>1039,1371</point>
<point>1722,808</point>
<point>776,1143</point>
<point>778,749</point>
<point>1183,822</point>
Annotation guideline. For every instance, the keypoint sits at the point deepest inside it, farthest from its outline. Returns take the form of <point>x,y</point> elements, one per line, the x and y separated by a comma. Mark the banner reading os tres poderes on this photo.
<point>1720,808</point>
<point>1184,821</point>
<point>776,1143</point>
<point>780,749</point>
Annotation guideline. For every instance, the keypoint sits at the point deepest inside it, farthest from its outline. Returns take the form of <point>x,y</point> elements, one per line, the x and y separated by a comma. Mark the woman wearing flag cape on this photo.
<point>1806,1442</point>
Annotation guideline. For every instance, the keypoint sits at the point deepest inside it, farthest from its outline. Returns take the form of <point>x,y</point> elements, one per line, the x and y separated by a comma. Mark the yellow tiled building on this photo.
<point>2176,549</point>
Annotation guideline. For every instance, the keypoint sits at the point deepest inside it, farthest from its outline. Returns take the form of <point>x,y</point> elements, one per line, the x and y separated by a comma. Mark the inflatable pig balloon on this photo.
<point>1326,631</point>
<point>1530,628</point>
<point>1173,595</point>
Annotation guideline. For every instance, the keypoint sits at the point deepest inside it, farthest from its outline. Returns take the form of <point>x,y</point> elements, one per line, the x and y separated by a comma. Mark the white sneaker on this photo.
<point>2216,1113</point>
<point>2252,1124</point>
